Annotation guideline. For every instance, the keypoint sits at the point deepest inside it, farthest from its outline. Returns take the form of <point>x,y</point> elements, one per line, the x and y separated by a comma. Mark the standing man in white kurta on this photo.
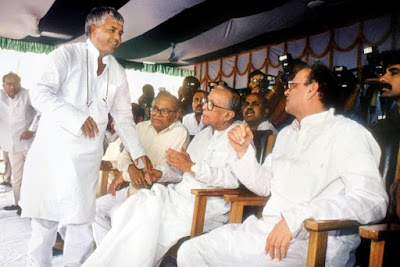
<point>17,126</point>
<point>148,223</point>
<point>323,167</point>
<point>81,85</point>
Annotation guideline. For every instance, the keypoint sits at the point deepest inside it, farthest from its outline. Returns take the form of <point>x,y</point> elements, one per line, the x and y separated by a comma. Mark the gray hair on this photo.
<point>97,16</point>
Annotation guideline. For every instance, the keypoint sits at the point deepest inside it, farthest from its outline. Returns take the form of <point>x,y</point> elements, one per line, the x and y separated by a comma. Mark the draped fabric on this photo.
<point>336,47</point>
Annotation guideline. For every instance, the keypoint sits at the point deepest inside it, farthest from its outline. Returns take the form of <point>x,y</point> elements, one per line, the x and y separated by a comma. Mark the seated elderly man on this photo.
<point>151,221</point>
<point>323,166</point>
<point>162,132</point>
<point>255,112</point>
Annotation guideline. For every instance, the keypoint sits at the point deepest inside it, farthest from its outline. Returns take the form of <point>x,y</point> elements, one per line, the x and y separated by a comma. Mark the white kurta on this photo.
<point>327,169</point>
<point>151,221</point>
<point>62,167</point>
<point>266,125</point>
<point>155,144</point>
<point>189,120</point>
<point>17,116</point>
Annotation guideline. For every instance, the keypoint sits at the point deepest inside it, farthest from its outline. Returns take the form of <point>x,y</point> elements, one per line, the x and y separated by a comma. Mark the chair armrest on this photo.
<point>238,202</point>
<point>319,236</point>
<point>385,231</point>
<point>200,203</point>
<point>379,234</point>
<point>105,168</point>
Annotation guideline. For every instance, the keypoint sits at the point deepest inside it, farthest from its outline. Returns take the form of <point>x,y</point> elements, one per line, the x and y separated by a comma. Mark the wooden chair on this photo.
<point>264,142</point>
<point>379,234</point>
<point>105,170</point>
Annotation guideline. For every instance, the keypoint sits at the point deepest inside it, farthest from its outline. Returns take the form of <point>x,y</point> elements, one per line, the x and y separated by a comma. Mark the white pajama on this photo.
<point>77,244</point>
<point>17,161</point>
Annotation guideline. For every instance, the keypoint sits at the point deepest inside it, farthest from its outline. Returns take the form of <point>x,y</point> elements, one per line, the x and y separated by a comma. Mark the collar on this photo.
<point>95,52</point>
<point>167,129</point>
<point>313,119</point>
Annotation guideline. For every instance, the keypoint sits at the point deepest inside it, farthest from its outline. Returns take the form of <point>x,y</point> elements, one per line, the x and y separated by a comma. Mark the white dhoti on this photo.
<point>105,208</point>
<point>146,225</point>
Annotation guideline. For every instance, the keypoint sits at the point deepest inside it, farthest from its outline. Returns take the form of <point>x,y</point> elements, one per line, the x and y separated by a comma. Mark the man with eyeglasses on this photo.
<point>193,121</point>
<point>81,84</point>
<point>323,166</point>
<point>162,132</point>
<point>255,82</point>
<point>152,221</point>
<point>18,122</point>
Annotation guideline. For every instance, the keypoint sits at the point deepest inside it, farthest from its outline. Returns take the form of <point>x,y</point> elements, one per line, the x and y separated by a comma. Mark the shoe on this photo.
<point>19,210</point>
<point>5,183</point>
<point>12,207</point>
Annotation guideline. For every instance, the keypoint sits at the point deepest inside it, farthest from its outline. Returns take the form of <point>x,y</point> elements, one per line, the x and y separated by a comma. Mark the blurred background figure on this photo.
<point>146,99</point>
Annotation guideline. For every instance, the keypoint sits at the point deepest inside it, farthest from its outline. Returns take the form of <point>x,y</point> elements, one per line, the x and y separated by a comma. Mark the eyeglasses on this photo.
<point>255,80</point>
<point>211,105</point>
<point>163,111</point>
<point>292,84</point>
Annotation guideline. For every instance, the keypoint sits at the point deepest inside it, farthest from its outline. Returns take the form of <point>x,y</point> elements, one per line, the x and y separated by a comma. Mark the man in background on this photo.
<point>193,121</point>
<point>18,122</point>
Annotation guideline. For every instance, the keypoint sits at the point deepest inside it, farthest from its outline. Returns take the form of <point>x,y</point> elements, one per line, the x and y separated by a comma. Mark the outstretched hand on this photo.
<point>240,137</point>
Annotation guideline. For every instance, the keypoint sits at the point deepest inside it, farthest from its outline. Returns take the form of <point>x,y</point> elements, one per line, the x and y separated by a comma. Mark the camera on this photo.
<point>373,69</point>
<point>286,60</point>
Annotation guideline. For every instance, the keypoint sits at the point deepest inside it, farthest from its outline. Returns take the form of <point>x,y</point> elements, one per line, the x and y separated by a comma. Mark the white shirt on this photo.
<point>189,120</point>
<point>327,169</point>
<point>17,116</point>
<point>266,125</point>
<point>62,168</point>
<point>155,144</point>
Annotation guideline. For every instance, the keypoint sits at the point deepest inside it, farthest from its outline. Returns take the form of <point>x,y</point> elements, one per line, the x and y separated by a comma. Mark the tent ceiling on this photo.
<point>202,30</point>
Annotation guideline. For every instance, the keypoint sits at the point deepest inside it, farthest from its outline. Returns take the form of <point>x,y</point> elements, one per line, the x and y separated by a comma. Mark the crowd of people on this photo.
<point>323,166</point>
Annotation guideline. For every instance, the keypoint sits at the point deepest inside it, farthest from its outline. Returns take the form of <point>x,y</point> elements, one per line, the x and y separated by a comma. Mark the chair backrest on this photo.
<point>264,142</point>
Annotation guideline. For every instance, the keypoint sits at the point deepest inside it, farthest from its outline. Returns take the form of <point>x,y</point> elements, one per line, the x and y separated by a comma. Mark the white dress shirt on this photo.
<point>17,116</point>
<point>189,120</point>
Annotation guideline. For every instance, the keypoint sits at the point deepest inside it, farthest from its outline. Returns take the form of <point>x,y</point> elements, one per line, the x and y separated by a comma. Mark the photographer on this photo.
<point>390,91</point>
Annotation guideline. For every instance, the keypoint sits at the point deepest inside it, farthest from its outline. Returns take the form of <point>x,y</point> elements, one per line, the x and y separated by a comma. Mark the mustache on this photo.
<point>199,106</point>
<point>249,109</point>
<point>386,85</point>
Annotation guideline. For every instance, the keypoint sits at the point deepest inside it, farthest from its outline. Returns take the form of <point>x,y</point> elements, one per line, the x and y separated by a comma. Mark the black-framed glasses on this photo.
<point>211,105</point>
<point>163,111</point>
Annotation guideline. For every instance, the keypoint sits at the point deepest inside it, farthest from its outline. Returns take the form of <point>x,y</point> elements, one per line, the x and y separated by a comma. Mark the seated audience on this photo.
<point>162,132</point>
<point>255,112</point>
<point>192,121</point>
<point>151,221</point>
<point>323,166</point>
